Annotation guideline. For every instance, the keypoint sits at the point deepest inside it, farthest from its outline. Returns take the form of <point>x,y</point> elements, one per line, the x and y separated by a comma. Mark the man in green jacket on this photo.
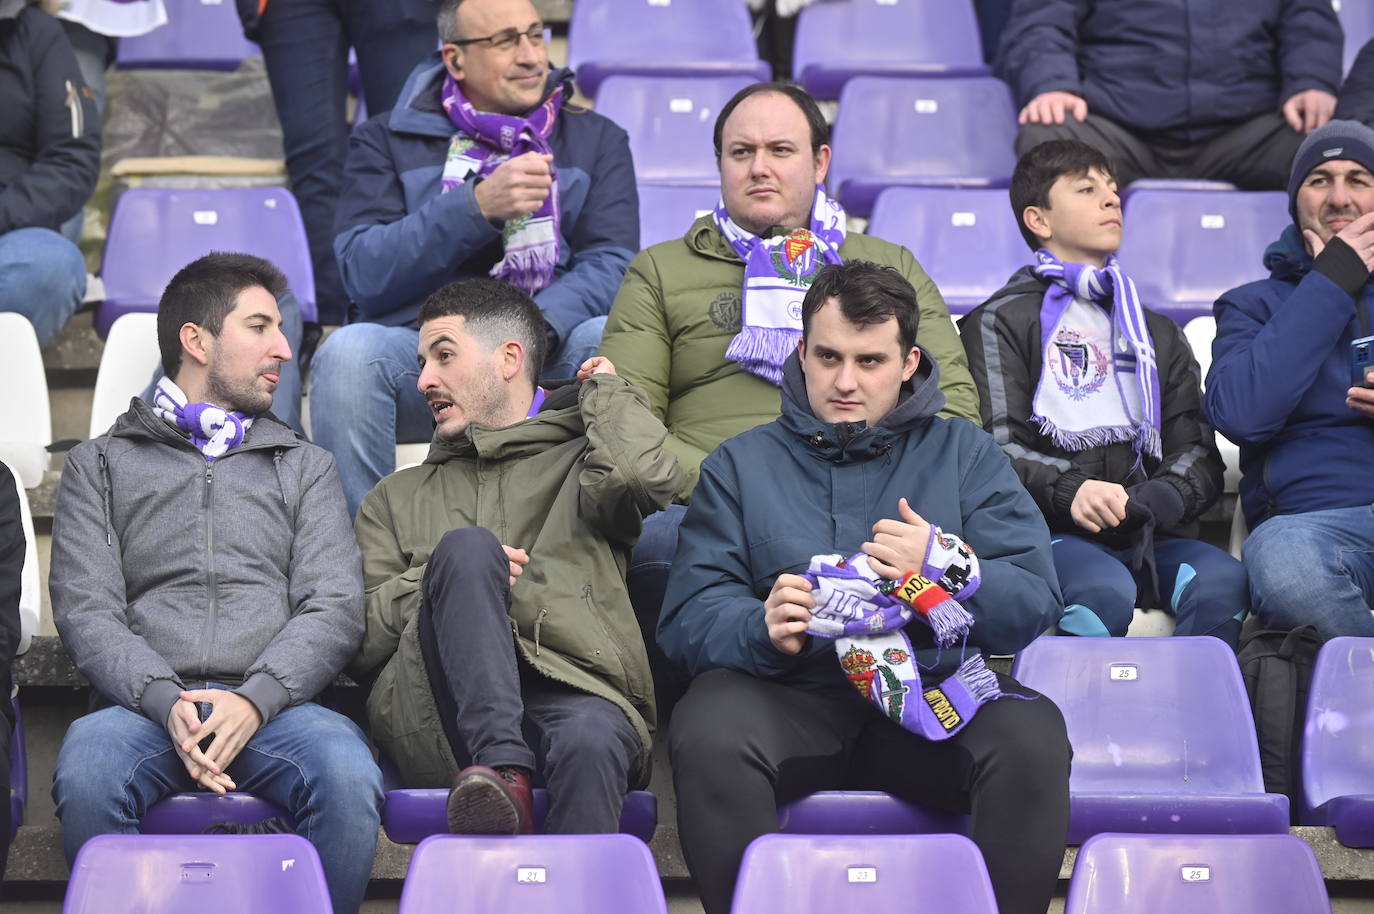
<point>499,629</point>
<point>692,314</point>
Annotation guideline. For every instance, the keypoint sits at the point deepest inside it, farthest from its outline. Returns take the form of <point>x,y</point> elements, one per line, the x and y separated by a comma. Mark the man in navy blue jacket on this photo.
<point>423,206</point>
<point>859,463</point>
<point>1282,385</point>
<point>49,158</point>
<point>1175,88</point>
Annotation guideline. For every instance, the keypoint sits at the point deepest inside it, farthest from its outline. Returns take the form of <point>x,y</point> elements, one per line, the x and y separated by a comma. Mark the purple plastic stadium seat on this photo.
<point>666,213</point>
<point>1338,742</point>
<point>156,231</point>
<point>805,874</point>
<point>177,874</point>
<point>661,38</point>
<point>943,132</point>
<point>670,121</point>
<point>192,813</point>
<point>1357,22</point>
<point>966,238</point>
<point>411,816</point>
<point>1185,248</point>
<point>1196,874</point>
<point>841,39</point>
<point>865,812</point>
<point>1163,741</point>
<point>19,773</point>
<point>199,35</point>
<point>1152,184</point>
<point>532,874</point>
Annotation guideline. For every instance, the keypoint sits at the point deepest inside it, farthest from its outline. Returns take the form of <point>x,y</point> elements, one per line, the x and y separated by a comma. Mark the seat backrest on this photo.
<point>25,421</point>
<point>532,874</point>
<point>839,40</point>
<point>670,121</point>
<point>965,238</point>
<point>155,231</point>
<point>1196,874</point>
<point>1338,739</point>
<point>660,37</point>
<point>127,365</point>
<point>893,131</point>
<point>173,874</point>
<point>1148,715</point>
<point>1185,248</point>
<point>884,873</point>
<point>1200,332</point>
<point>1357,24</point>
<point>199,35</point>
<point>666,213</point>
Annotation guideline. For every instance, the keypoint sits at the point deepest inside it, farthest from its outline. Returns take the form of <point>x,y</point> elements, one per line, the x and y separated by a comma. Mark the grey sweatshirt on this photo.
<point>167,570</point>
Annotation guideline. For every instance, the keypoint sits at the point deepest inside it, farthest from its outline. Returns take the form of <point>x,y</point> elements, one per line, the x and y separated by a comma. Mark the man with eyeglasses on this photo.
<point>483,168</point>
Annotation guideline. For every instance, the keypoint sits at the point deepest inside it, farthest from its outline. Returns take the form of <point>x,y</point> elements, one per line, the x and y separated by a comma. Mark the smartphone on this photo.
<point>1361,360</point>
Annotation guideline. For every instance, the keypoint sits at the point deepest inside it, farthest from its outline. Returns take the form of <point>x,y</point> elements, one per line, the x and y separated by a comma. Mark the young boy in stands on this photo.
<point>1097,402</point>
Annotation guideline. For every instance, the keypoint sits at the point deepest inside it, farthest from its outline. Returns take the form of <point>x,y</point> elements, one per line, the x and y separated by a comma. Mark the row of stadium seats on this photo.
<point>589,874</point>
<point>836,40</point>
<point>1164,743</point>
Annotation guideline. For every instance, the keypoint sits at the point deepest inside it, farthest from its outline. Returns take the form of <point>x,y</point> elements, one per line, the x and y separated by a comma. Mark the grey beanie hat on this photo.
<point>1348,140</point>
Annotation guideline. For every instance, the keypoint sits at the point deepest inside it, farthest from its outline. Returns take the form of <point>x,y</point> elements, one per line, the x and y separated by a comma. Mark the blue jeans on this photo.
<point>43,277</point>
<point>647,580</point>
<point>286,401</point>
<point>310,761</point>
<point>305,47</point>
<point>1206,587</point>
<point>1315,568</point>
<point>364,397</point>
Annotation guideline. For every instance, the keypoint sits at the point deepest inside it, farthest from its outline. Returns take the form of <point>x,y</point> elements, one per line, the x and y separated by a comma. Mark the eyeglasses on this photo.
<point>507,39</point>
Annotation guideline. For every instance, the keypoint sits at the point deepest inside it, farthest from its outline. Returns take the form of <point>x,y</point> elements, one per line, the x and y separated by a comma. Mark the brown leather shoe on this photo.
<point>487,801</point>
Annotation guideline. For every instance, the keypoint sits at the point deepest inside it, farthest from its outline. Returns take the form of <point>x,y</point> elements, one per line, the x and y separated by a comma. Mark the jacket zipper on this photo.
<point>539,620</point>
<point>210,576</point>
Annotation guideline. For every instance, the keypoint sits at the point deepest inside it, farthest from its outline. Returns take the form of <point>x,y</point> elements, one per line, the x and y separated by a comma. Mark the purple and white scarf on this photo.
<point>213,430</point>
<point>777,273</point>
<point>485,140</point>
<point>1074,369</point>
<point>865,614</point>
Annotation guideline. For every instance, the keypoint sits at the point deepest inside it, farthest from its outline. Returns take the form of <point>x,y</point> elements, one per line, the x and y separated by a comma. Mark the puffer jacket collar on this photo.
<point>851,442</point>
<point>420,111</point>
<point>140,421</point>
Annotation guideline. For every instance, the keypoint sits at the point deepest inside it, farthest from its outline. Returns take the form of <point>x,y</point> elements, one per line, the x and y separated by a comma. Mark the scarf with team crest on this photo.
<point>865,614</point>
<point>485,140</point>
<point>777,273</point>
<point>1084,304</point>
<point>213,429</point>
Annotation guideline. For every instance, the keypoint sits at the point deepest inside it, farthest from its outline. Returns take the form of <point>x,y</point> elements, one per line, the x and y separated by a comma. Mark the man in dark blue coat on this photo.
<point>1175,88</point>
<point>483,168</point>
<point>803,679</point>
<point>49,158</point>
<point>1284,387</point>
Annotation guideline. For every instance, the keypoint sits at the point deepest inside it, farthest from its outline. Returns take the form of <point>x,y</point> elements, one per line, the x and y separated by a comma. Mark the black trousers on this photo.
<point>1255,154</point>
<point>498,712</point>
<point>742,746</point>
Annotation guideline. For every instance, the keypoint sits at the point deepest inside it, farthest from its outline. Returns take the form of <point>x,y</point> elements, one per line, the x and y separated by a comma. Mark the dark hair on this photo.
<point>868,293</point>
<point>203,293</point>
<point>820,130</point>
<point>1040,167</point>
<point>493,312</point>
<point>447,20</point>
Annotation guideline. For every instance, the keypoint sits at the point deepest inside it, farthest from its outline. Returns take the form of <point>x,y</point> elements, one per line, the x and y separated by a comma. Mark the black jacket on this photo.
<point>1004,332</point>
<point>1357,94</point>
<point>12,547</point>
<point>49,128</point>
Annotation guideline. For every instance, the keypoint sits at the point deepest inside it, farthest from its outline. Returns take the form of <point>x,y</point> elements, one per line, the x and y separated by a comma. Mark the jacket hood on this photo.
<point>919,400</point>
<point>558,420</point>
<point>1287,258</point>
<point>420,111</point>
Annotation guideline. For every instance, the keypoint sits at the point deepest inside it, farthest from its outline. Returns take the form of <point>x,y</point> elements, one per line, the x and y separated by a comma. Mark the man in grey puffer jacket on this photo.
<point>206,580</point>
